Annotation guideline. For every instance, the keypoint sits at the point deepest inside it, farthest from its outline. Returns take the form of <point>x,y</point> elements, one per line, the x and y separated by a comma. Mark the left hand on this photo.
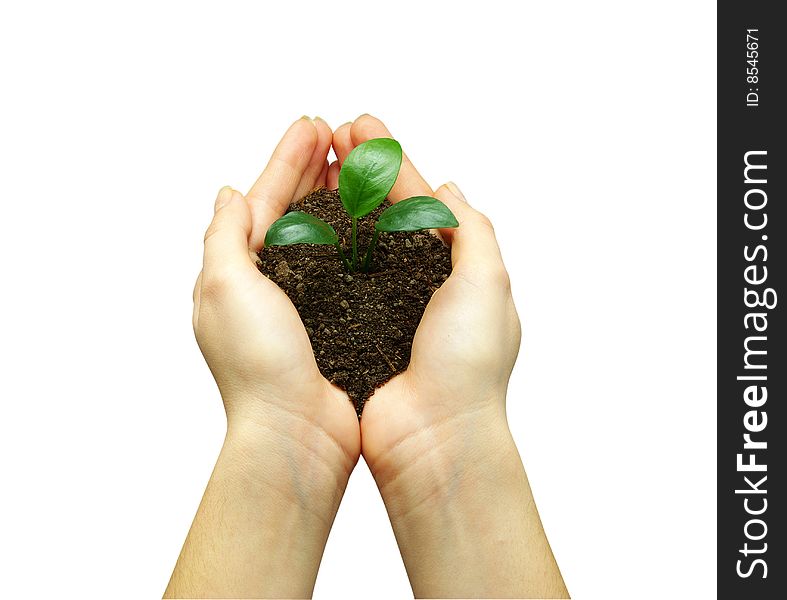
<point>292,437</point>
<point>248,330</point>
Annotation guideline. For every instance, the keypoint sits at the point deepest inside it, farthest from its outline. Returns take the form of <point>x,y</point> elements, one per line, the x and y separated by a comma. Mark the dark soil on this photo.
<point>361,326</point>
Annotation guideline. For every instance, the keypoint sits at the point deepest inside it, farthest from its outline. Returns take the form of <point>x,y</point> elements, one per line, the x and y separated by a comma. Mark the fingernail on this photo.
<point>225,195</point>
<point>308,118</point>
<point>454,189</point>
<point>318,118</point>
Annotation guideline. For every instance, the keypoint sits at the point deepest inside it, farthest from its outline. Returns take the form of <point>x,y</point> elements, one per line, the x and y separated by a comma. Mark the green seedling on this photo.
<point>367,176</point>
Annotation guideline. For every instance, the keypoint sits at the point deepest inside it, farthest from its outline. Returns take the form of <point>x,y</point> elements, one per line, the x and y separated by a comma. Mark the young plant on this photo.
<point>366,177</point>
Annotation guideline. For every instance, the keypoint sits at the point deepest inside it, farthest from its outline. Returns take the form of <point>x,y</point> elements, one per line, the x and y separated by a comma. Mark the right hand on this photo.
<point>436,437</point>
<point>464,349</point>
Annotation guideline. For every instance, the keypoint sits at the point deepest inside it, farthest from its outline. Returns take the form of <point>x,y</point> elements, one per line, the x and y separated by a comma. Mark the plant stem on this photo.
<point>367,261</point>
<point>345,262</point>
<point>355,244</point>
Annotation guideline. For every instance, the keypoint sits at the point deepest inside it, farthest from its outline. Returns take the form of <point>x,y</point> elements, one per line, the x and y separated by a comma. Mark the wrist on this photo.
<point>288,454</point>
<point>463,513</point>
<point>455,458</point>
<point>264,520</point>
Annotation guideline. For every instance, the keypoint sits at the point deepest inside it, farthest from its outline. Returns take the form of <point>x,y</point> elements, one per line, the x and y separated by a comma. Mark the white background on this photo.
<point>585,130</point>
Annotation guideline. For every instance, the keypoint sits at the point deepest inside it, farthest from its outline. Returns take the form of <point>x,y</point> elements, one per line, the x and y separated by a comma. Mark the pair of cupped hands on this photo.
<point>260,355</point>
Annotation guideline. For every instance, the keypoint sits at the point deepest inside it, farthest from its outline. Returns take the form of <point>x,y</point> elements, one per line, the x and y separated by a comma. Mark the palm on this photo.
<point>284,361</point>
<point>452,351</point>
<point>468,338</point>
<point>275,349</point>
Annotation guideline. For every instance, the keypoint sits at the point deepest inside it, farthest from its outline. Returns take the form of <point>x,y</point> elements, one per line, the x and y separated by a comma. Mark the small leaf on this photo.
<point>299,228</point>
<point>368,174</point>
<point>413,214</point>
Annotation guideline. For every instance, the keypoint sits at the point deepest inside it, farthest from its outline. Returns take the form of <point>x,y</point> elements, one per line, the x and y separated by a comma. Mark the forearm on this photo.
<point>265,516</point>
<point>464,515</point>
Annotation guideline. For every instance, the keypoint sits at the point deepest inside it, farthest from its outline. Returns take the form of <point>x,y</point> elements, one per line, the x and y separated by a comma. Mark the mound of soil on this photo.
<point>361,325</point>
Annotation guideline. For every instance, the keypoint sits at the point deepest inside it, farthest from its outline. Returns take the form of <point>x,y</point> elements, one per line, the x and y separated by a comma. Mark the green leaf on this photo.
<point>368,174</point>
<point>413,214</point>
<point>299,228</point>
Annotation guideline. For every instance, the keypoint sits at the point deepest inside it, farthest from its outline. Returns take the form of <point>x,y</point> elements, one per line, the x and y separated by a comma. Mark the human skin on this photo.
<point>435,437</point>
<point>292,437</point>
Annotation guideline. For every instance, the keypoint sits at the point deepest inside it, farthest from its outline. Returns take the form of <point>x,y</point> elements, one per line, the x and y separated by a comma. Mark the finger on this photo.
<point>450,193</point>
<point>323,178</point>
<point>409,183</point>
<point>276,186</point>
<point>197,285</point>
<point>474,249</point>
<point>332,179</point>
<point>195,296</point>
<point>342,142</point>
<point>227,238</point>
<point>311,174</point>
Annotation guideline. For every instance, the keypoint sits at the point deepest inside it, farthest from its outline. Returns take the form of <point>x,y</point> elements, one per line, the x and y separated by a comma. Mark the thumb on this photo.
<point>474,249</point>
<point>227,238</point>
